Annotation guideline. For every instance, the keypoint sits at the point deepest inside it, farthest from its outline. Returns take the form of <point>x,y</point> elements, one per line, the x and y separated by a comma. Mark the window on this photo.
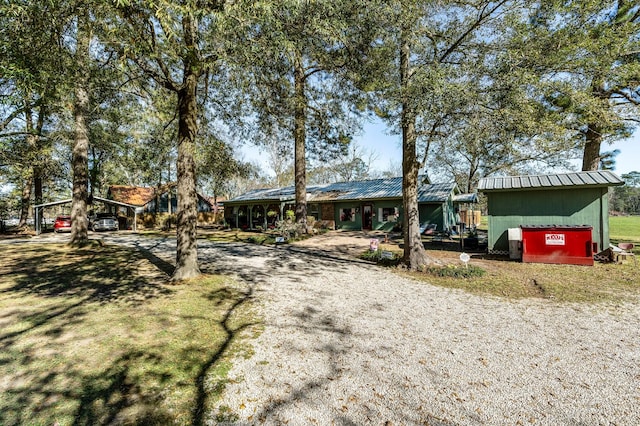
<point>348,215</point>
<point>314,211</point>
<point>388,214</point>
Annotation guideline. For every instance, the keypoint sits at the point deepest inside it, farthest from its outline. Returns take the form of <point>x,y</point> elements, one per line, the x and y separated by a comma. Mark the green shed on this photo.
<point>555,199</point>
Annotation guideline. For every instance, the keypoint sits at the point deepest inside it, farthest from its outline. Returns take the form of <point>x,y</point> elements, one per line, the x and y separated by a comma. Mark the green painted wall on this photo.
<point>442,215</point>
<point>352,219</point>
<point>391,221</point>
<point>576,206</point>
<point>432,213</point>
<point>344,222</point>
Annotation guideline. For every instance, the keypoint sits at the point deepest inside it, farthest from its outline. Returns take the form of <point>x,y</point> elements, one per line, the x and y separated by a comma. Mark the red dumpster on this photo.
<point>565,244</point>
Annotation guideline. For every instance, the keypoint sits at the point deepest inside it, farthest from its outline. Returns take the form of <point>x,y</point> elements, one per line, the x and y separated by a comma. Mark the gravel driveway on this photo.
<point>350,343</point>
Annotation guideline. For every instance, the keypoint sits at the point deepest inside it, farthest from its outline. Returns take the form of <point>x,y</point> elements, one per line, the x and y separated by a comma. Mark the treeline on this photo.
<point>626,199</point>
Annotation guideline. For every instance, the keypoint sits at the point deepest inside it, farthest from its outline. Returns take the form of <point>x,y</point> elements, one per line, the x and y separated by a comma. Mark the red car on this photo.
<point>62,224</point>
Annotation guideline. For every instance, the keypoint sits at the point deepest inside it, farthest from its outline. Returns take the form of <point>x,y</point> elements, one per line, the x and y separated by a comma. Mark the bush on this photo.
<point>257,239</point>
<point>376,256</point>
<point>455,271</point>
<point>289,228</point>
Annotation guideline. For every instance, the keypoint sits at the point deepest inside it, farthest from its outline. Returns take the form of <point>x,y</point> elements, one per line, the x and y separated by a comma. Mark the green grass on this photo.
<point>610,282</point>
<point>625,229</point>
<point>455,271</point>
<point>97,336</point>
<point>376,256</point>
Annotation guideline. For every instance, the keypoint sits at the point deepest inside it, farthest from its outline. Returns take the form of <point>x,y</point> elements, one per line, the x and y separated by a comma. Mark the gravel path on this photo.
<point>349,343</point>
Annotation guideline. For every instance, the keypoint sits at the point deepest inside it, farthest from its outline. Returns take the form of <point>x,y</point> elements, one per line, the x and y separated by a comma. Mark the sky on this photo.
<point>388,147</point>
<point>375,138</point>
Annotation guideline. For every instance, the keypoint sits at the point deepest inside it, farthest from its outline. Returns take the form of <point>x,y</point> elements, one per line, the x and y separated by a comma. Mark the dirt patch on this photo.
<point>350,243</point>
<point>353,243</point>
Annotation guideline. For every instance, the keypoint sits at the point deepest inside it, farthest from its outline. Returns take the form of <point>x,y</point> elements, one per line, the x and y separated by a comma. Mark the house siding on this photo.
<point>326,211</point>
<point>342,205</point>
<point>432,213</point>
<point>348,215</point>
<point>163,204</point>
<point>392,221</point>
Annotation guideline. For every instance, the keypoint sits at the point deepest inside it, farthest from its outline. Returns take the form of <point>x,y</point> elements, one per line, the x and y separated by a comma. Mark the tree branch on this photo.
<point>627,96</point>
<point>481,18</point>
<point>17,112</point>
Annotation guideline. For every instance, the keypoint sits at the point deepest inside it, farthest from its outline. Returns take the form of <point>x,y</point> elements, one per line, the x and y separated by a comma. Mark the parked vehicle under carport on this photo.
<point>103,222</point>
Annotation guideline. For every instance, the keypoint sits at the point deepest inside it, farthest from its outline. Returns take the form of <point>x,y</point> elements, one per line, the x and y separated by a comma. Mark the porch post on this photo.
<point>265,207</point>
<point>135,220</point>
<point>237,212</point>
<point>37,222</point>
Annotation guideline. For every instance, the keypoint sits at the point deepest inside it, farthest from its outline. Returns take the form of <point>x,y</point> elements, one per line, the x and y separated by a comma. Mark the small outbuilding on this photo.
<point>564,199</point>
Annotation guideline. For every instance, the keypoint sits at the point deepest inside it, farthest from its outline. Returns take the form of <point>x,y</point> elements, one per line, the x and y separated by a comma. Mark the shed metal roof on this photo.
<point>551,181</point>
<point>347,191</point>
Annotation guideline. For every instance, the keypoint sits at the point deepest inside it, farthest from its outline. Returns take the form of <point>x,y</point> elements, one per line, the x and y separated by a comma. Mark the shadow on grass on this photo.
<point>87,338</point>
<point>112,395</point>
<point>230,333</point>
<point>108,277</point>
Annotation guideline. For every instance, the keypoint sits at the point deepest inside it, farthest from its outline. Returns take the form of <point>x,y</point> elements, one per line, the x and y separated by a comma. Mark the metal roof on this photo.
<point>346,191</point>
<point>435,192</point>
<point>95,198</point>
<point>466,198</point>
<point>551,181</point>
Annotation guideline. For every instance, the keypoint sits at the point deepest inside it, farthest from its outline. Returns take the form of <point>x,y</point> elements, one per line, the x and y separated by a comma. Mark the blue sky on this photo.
<point>375,137</point>
<point>387,147</point>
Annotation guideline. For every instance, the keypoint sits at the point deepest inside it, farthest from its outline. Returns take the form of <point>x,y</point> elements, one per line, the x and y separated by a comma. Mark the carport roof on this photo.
<point>551,181</point>
<point>95,198</point>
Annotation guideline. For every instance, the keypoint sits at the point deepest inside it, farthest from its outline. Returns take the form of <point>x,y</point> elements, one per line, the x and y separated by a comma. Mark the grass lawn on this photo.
<point>98,336</point>
<point>608,282</point>
<point>625,229</point>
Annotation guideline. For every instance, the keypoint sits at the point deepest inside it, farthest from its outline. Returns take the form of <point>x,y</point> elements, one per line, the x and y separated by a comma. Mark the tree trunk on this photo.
<point>299,136</point>
<point>79,160</point>
<point>37,192</point>
<point>40,159</point>
<point>25,200</point>
<point>414,254</point>
<point>186,237</point>
<point>593,137</point>
<point>591,153</point>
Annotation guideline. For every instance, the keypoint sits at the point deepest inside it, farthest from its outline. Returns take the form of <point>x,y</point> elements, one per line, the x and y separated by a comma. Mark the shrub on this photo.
<point>455,271</point>
<point>376,256</point>
<point>257,239</point>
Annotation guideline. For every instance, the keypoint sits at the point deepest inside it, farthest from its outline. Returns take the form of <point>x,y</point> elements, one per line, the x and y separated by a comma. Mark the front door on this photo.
<point>367,217</point>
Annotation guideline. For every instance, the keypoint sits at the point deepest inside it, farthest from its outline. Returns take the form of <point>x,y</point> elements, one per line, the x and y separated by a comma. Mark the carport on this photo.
<point>38,209</point>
